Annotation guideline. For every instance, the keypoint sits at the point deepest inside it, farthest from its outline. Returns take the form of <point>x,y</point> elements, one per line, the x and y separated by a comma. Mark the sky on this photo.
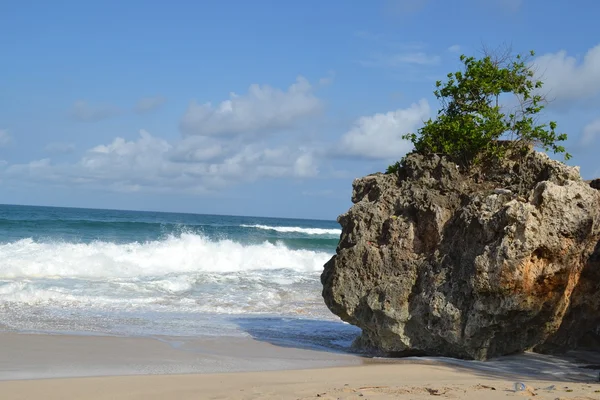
<point>263,107</point>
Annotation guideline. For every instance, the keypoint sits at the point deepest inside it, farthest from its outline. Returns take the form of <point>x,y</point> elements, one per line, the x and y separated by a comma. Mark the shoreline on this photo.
<point>39,355</point>
<point>59,366</point>
<point>27,356</point>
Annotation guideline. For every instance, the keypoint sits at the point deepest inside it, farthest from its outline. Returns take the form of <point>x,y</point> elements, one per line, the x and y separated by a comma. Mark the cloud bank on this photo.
<point>380,136</point>
<point>262,110</point>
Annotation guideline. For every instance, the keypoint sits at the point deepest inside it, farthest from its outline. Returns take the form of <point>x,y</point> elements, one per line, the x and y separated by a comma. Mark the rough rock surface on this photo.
<point>438,262</point>
<point>581,325</point>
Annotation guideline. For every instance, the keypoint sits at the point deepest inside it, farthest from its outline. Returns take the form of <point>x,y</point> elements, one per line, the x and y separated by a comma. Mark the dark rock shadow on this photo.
<point>574,366</point>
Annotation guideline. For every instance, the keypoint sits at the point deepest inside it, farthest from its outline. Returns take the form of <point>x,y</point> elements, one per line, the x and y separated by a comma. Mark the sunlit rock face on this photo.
<point>435,260</point>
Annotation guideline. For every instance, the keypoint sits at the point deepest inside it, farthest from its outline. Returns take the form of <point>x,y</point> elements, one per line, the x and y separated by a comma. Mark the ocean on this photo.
<point>152,274</point>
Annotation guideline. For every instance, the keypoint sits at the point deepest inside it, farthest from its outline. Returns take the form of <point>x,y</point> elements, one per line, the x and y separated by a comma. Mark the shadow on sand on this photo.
<point>568,367</point>
<point>337,337</point>
<point>311,334</point>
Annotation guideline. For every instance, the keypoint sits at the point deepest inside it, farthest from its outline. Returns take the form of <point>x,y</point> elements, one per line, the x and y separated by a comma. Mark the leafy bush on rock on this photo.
<point>479,120</point>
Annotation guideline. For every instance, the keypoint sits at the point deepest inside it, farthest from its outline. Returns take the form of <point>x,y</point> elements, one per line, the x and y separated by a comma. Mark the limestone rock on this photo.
<point>440,262</point>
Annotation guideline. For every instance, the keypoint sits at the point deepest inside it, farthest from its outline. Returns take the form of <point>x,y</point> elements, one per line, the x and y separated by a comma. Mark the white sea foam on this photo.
<point>175,254</point>
<point>289,229</point>
<point>104,286</point>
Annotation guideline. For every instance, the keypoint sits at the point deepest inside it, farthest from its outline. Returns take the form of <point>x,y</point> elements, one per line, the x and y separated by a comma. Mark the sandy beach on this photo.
<point>34,366</point>
<point>403,381</point>
<point>363,382</point>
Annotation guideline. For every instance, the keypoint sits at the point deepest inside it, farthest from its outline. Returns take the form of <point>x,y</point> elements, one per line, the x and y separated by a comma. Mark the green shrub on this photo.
<point>472,125</point>
<point>393,169</point>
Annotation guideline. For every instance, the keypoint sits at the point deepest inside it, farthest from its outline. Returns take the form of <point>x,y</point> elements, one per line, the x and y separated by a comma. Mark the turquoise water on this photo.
<point>149,273</point>
<point>87,225</point>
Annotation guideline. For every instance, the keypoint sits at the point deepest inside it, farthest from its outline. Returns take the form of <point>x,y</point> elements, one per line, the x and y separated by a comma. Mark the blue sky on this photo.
<point>257,107</point>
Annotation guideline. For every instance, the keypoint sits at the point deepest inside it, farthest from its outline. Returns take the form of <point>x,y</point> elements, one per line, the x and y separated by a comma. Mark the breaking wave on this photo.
<point>290,229</point>
<point>185,253</point>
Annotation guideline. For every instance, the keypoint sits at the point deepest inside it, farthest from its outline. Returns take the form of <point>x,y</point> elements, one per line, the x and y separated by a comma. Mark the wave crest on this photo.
<point>289,229</point>
<point>185,253</point>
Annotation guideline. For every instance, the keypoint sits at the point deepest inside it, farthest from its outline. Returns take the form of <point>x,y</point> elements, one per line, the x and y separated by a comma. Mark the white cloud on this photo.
<point>401,59</point>
<point>152,164</point>
<point>262,109</point>
<point>212,154</point>
<point>256,162</point>
<point>380,136</point>
<point>121,155</point>
<point>198,149</point>
<point>82,111</point>
<point>591,132</point>
<point>567,79</point>
<point>5,138</point>
<point>454,48</point>
<point>147,104</point>
<point>60,148</point>
<point>305,165</point>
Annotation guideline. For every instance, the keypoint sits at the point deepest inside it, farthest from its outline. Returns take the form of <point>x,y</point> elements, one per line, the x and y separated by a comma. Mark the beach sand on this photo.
<point>362,382</point>
<point>56,366</point>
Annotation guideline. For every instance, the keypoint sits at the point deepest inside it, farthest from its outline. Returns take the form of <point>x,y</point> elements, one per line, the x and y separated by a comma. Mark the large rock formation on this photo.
<point>437,261</point>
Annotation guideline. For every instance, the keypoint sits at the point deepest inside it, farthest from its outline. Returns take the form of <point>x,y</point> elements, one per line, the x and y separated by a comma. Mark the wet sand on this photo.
<point>93,367</point>
<point>39,356</point>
